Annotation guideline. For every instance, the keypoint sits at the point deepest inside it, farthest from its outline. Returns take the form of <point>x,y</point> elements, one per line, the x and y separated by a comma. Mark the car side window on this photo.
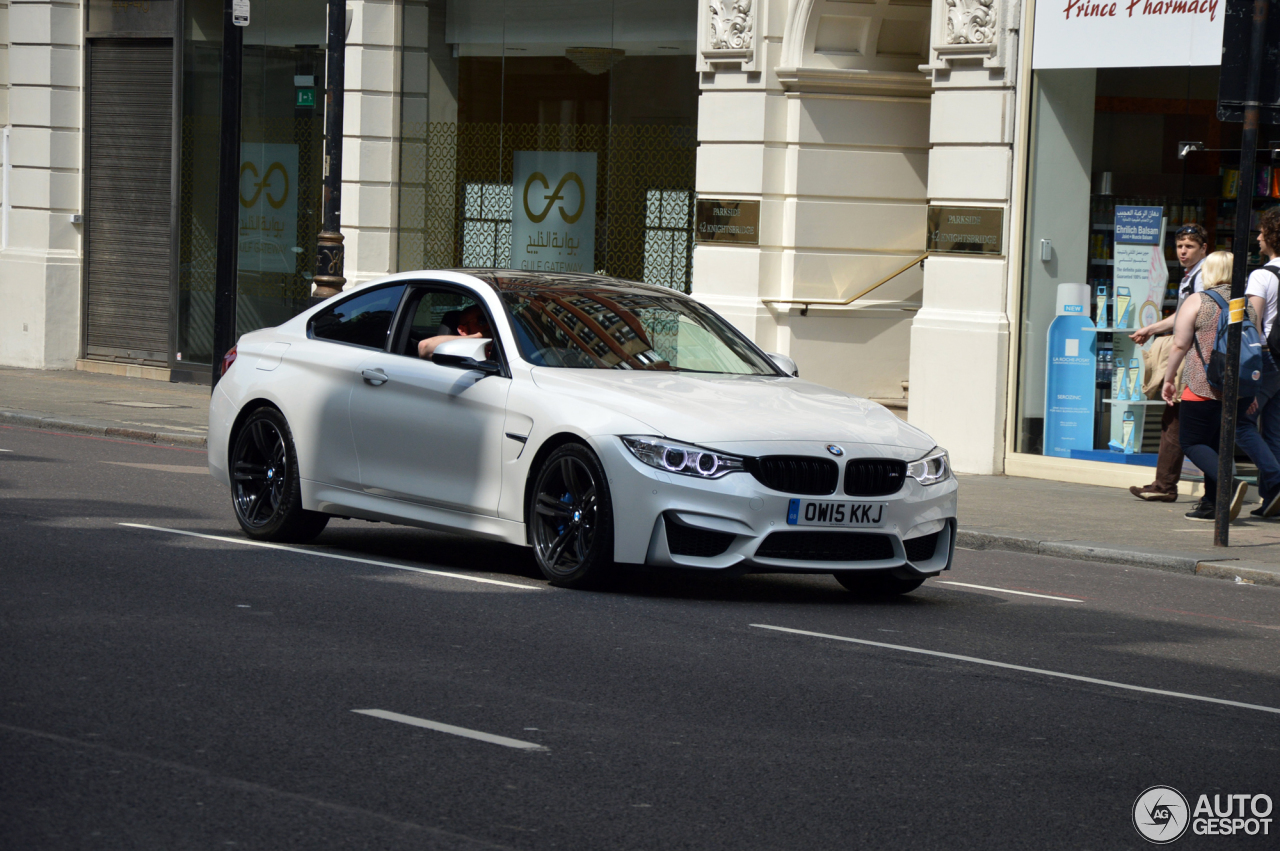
<point>431,313</point>
<point>363,320</point>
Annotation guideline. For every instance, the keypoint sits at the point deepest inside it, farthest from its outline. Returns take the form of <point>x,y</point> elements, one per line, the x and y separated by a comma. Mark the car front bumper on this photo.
<point>668,519</point>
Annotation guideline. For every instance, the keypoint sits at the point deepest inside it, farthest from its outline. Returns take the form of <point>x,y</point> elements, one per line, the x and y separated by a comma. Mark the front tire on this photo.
<point>571,518</point>
<point>266,490</point>
<point>877,583</point>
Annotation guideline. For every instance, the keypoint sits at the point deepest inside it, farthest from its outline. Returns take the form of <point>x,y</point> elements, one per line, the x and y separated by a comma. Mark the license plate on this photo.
<point>818,512</point>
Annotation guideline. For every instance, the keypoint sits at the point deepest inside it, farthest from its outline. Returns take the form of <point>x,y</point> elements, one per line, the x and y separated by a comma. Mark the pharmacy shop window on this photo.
<point>1111,180</point>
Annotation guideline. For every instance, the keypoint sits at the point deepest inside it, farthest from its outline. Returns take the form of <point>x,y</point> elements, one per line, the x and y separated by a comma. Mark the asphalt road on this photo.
<point>160,690</point>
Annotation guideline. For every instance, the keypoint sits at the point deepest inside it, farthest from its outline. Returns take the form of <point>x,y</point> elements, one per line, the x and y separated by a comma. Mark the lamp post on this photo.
<point>329,252</point>
<point>1240,246</point>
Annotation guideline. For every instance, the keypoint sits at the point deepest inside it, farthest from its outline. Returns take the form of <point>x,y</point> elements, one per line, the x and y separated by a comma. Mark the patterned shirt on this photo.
<point>1205,336</point>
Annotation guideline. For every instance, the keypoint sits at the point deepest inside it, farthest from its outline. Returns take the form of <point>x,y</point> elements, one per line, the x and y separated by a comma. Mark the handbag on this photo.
<point>1155,360</point>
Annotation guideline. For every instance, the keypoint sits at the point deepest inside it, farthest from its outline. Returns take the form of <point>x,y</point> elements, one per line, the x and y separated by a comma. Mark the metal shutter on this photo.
<point>128,224</point>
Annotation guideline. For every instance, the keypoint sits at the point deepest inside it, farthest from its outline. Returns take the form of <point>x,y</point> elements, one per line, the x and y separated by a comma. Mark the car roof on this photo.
<point>516,280</point>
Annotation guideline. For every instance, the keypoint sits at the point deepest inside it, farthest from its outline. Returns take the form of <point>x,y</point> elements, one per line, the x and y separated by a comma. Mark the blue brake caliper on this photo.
<point>567,499</point>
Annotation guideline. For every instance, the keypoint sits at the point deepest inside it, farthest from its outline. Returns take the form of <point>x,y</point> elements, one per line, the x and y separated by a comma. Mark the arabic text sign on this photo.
<point>269,208</point>
<point>1127,33</point>
<point>553,211</point>
<point>1136,225</point>
<point>1139,260</point>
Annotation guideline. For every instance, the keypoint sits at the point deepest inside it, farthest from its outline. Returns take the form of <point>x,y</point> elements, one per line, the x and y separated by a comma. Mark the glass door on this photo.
<point>550,136</point>
<point>282,137</point>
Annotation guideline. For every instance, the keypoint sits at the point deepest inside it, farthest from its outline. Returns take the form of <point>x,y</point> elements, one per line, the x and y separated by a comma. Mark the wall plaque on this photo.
<point>727,222</point>
<point>966,230</point>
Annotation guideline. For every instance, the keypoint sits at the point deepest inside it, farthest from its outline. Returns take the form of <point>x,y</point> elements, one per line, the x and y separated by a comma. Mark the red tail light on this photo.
<point>228,359</point>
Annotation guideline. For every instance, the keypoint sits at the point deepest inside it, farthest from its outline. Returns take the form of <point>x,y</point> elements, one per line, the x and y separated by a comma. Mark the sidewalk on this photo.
<point>1111,525</point>
<point>996,512</point>
<point>130,408</point>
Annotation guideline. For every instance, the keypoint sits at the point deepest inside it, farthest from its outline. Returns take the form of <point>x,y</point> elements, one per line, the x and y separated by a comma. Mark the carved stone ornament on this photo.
<point>732,24</point>
<point>971,21</point>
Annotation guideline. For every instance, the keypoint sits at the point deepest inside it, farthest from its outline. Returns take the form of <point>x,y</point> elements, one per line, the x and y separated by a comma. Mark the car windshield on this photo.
<point>607,329</point>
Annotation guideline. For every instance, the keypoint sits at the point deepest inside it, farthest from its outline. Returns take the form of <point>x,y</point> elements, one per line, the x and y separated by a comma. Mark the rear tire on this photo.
<point>877,583</point>
<point>266,490</point>
<point>571,518</point>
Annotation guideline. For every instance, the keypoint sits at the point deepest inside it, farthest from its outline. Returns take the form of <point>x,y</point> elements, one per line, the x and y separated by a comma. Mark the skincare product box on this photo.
<point>1124,304</point>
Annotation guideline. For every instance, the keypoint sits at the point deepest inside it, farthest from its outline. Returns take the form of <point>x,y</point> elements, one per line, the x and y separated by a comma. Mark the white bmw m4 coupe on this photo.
<point>595,420</point>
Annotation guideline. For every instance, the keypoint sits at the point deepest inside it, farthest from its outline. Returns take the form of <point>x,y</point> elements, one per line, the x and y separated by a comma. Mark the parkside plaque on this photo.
<point>966,230</point>
<point>727,222</point>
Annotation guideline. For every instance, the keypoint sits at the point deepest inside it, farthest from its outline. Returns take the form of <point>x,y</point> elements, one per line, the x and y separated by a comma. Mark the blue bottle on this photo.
<point>1070,374</point>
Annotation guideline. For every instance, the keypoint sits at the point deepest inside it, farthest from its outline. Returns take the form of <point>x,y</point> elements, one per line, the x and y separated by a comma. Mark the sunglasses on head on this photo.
<point>1187,229</point>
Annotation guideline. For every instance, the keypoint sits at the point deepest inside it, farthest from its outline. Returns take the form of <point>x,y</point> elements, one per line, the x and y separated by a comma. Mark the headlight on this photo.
<point>672,456</point>
<point>932,468</point>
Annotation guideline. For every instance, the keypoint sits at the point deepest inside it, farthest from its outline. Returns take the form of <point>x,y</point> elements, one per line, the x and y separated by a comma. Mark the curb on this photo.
<point>1187,563</point>
<point>55,424</point>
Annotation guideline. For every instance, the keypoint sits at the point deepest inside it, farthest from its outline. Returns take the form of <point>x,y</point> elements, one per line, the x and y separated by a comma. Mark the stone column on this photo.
<point>824,121</point>
<point>40,264</point>
<point>370,163</point>
<point>4,67</point>
<point>960,338</point>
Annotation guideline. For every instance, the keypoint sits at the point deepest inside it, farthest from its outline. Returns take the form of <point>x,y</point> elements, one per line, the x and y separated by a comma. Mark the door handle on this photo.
<point>374,376</point>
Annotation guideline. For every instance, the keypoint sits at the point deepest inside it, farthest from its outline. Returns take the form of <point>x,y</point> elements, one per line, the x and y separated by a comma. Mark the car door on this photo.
<point>424,432</point>
<point>317,377</point>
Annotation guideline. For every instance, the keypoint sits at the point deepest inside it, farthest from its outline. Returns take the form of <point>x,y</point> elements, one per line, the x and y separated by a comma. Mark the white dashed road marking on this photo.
<point>452,730</point>
<point>1007,591</point>
<point>164,468</point>
<point>1007,666</point>
<point>243,542</point>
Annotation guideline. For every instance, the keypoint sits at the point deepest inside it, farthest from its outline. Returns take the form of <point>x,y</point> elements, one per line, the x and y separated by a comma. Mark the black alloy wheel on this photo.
<point>572,518</point>
<point>877,583</point>
<point>266,490</point>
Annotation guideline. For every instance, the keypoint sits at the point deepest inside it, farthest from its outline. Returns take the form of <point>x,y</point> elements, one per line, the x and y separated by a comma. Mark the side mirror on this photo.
<point>467,353</point>
<point>785,364</point>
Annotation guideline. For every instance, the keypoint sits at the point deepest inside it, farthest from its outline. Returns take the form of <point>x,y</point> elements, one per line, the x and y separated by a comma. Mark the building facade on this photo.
<point>775,158</point>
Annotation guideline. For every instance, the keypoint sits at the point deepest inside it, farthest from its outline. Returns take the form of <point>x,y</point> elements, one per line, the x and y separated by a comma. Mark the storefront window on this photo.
<point>280,171</point>
<point>1110,182</point>
<point>557,136</point>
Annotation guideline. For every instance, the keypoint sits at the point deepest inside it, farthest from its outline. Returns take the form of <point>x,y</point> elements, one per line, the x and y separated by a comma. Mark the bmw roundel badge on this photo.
<point>835,450</point>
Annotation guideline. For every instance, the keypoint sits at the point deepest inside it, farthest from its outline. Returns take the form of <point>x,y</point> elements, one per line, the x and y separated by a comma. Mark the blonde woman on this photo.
<point>1195,330</point>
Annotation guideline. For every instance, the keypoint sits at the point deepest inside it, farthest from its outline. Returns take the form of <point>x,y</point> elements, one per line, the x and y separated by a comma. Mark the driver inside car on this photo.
<point>471,324</point>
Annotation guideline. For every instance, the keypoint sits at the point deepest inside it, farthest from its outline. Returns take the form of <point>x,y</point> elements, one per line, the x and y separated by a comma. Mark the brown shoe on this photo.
<point>1150,493</point>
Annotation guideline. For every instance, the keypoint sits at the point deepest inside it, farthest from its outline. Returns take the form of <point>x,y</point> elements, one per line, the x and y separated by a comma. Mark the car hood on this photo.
<point>715,409</point>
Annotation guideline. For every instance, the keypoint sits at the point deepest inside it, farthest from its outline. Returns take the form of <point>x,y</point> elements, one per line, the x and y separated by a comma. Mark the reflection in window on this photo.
<point>627,331</point>
<point>486,225</point>
<point>668,238</point>
<point>364,320</point>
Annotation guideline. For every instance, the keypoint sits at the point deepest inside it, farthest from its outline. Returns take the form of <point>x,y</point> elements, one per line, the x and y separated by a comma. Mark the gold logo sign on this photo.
<point>555,196</point>
<point>265,184</point>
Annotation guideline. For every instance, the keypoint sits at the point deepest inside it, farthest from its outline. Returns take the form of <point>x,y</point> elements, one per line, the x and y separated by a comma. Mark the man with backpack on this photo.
<point>1262,290</point>
<point>1200,328</point>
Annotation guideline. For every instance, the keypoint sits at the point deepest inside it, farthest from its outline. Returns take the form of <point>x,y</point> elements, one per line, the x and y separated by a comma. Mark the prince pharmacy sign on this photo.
<point>1127,33</point>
